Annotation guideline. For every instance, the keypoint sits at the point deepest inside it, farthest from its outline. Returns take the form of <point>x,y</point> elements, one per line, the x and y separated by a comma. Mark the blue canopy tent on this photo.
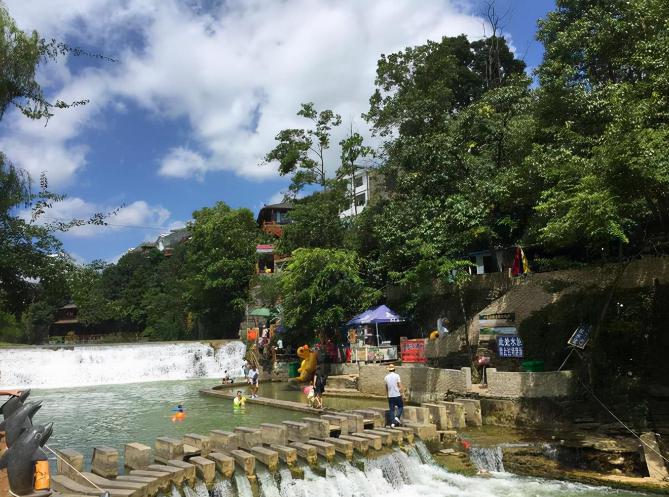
<point>377,315</point>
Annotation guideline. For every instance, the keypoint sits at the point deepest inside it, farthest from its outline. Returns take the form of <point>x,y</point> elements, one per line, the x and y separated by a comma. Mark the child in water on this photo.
<point>239,401</point>
<point>180,413</point>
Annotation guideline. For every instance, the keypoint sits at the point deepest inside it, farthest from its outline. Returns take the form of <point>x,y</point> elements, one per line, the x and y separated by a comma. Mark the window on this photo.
<point>357,181</point>
<point>360,200</point>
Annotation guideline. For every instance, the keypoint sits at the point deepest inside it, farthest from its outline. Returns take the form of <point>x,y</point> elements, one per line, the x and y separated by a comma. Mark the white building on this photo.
<point>361,186</point>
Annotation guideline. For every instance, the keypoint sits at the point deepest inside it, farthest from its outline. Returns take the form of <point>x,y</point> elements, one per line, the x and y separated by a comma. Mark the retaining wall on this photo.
<point>529,385</point>
<point>422,383</point>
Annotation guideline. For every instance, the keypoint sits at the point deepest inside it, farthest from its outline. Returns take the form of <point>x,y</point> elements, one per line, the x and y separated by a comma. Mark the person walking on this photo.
<point>318,385</point>
<point>394,392</point>
<point>254,377</point>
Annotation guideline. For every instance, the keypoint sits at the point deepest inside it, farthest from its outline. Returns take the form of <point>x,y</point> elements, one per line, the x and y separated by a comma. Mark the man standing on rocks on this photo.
<point>394,392</point>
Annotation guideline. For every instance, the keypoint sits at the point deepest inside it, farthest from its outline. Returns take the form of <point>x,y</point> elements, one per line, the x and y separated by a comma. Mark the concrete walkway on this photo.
<point>266,401</point>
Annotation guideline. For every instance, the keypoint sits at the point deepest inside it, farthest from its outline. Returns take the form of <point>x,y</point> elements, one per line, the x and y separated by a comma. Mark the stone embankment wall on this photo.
<point>531,292</point>
<point>421,383</point>
<point>514,385</point>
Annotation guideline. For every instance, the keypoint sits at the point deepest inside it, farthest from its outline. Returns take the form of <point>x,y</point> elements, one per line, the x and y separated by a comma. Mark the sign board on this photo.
<point>510,346</point>
<point>581,336</point>
<point>501,323</point>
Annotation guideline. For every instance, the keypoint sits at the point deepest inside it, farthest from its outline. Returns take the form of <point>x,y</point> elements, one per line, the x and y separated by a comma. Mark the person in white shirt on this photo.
<point>394,392</point>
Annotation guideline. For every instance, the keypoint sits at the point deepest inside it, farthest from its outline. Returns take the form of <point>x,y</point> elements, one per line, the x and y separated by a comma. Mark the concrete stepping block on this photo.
<point>340,421</point>
<point>386,437</point>
<point>407,432</point>
<point>370,415</point>
<point>223,440</point>
<point>167,448</point>
<point>456,414</point>
<point>189,469</point>
<point>201,442</point>
<point>439,415</point>
<point>65,485</point>
<point>104,462</point>
<point>296,431</point>
<point>424,431</point>
<point>268,457</point>
<point>360,444</point>
<point>137,456</point>
<point>286,454</point>
<point>248,437</point>
<point>73,457</point>
<point>87,479</point>
<point>344,447</point>
<point>420,415</point>
<point>472,408</point>
<point>153,485</point>
<point>317,428</point>
<point>273,434</point>
<point>224,464</point>
<point>396,435</point>
<point>356,422</point>
<point>306,452</point>
<point>375,441</point>
<point>206,468</point>
<point>177,475</point>
<point>245,460</point>
<point>324,449</point>
<point>162,476</point>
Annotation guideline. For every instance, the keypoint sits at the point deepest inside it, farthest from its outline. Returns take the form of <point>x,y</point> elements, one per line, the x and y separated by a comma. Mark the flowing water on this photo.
<point>89,365</point>
<point>487,458</point>
<point>126,399</point>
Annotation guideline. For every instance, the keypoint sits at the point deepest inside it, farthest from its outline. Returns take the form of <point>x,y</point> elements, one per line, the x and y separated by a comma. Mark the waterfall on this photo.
<point>268,485</point>
<point>199,490</point>
<point>243,486</point>
<point>222,488</point>
<point>114,364</point>
<point>487,458</point>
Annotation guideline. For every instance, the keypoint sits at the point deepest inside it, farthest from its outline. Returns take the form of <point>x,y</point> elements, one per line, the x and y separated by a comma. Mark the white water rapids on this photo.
<point>89,365</point>
<point>401,475</point>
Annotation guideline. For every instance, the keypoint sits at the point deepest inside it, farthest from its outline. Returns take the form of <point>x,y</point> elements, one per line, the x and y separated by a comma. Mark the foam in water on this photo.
<point>487,458</point>
<point>116,364</point>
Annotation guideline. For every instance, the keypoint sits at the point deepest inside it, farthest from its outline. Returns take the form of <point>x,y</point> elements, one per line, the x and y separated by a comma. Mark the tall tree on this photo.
<point>221,261</point>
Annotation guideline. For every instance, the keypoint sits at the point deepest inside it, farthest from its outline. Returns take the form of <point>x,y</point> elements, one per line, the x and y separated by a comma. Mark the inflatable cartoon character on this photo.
<point>309,363</point>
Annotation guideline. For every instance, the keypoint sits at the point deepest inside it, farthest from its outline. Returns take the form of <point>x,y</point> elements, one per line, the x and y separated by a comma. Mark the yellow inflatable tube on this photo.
<point>308,365</point>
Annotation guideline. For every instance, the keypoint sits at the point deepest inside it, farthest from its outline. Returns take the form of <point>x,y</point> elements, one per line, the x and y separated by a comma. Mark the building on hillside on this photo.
<point>167,241</point>
<point>363,186</point>
<point>272,219</point>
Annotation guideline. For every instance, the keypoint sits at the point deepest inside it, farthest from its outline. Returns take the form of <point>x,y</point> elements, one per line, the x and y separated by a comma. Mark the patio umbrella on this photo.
<point>261,312</point>
<point>380,314</point>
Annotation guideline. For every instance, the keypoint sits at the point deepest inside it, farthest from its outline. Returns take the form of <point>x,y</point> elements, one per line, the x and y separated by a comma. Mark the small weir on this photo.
<point>487,459</point>
<point>86,365</point>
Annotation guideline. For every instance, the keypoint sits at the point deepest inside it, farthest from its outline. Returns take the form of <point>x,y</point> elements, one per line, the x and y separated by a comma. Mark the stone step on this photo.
<point>153,485</point>
<point>225,464</point>
<point>305,451</point>
<point>287,454</point>
<point>268,457</point>
<point>339,421</point>
<point>177,475</point>
<point>424,431</point>
<point>65,485</point>
<point>386,437</point>
<point>360,444</point>
<point>205,468</point>
<point>324,449</point>
<point>245,460</point>
<point>343,447</point>
<point>396,435</point>
<point>88,479</point>
<point>375,441</point>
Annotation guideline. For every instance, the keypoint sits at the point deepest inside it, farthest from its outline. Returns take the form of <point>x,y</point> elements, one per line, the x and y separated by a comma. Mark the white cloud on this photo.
<point>237,72</point>
<point>152,219</point>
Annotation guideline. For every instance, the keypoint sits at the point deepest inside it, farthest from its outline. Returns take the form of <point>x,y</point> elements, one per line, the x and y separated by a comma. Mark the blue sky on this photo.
<point>198,92</point>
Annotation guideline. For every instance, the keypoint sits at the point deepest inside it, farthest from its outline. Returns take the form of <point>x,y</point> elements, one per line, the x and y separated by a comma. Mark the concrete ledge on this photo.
<point>153,485</point>
<point>306,452</point>
<point>73,457</point>
<point>224,464</point>
<point>438,415</point>
<point>296,432</point>
<point>177,475</point>
<point>137,489</point>
<point>369,414</point>
<point>162,477</point>
<point>136,456</point>
<point>104,462</point>
<point>472,411</point>
<point>317,428</point>
<point>341,421</point>
<point>360,444</point>
<point>273,434</point>
<point>356,422</point>
<point>248,437</point>
<point>456,414</point>
<point>407,432</point>
<point>168,448</point>
<point>63,484</point>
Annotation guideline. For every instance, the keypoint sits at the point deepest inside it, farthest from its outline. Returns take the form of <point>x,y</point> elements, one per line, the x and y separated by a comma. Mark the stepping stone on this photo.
<point>269,458</point>
<point>286,454</point>
<point>324,449</point>
<point>224,464</point>
<point>344,447</point>
<point>386,437</point>
<point>374,441</point>
<point>306,452</point>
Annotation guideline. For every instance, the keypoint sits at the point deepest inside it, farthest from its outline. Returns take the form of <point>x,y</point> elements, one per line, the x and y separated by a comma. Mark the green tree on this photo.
<point>301,152</point>
<point>221,261</point>
<point>86,290</point>
<point>601,161</point>
<point>322,288</point>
